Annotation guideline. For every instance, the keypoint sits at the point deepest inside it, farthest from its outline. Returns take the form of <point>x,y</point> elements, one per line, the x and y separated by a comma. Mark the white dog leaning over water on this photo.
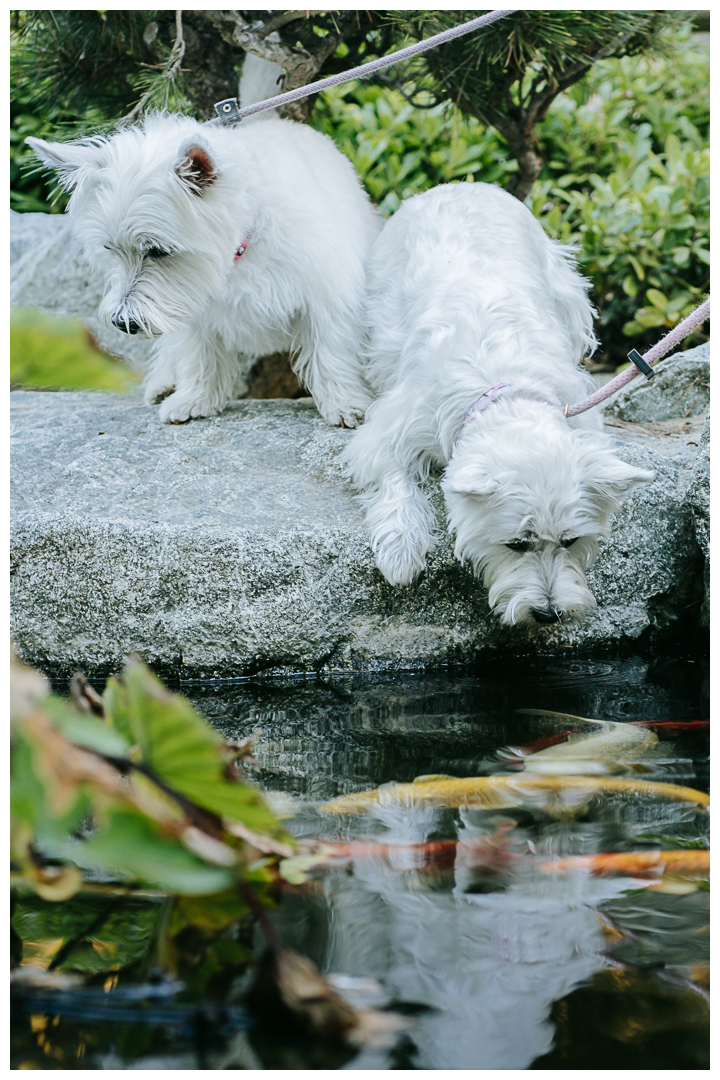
<point>478,325</point>
<point>219,241</point>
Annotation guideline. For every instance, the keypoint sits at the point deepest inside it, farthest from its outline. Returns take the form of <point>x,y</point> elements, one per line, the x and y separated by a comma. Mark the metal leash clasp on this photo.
<point>641,364</point>
<point>228,111</point>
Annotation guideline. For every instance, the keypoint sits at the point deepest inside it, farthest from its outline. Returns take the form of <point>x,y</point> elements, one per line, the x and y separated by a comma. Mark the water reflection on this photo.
<point>454,908</point>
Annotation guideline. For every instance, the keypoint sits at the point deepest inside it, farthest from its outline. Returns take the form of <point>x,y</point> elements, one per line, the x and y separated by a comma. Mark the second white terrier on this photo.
<point>221,241</point>
<point>479,323</point>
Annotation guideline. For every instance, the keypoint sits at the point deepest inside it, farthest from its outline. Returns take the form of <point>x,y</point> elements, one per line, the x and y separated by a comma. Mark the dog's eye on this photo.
<point>569,542</point>
<point>521,545</point>
<point>157,253</point>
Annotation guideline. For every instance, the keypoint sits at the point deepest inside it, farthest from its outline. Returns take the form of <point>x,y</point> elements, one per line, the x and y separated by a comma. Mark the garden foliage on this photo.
<point>626,177</point>
<point>625,174</point>
<point>132,805</point>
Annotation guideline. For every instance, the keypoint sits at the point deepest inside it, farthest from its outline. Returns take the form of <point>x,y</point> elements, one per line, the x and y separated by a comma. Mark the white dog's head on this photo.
<point>151,209</point>
<point>527,502</point>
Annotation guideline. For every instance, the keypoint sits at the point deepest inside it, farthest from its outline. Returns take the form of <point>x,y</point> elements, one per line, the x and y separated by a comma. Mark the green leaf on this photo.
<point>649,318</point>
<point>183,750</point>
<point>86,731</point>
<point>130,845</point>
<point>630,287</point>
<point>46,351</point>
<point>637,267</point>
<point>657,299</point>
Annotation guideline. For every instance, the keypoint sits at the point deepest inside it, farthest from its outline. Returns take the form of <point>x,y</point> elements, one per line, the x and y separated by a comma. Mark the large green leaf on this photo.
<point>86,731</point>
<point>119,929</point>
<point>129,845</point>
<point>181,748</point>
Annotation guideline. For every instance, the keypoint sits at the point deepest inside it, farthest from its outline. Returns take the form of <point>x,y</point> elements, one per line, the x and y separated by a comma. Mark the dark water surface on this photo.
<point>501,964</point>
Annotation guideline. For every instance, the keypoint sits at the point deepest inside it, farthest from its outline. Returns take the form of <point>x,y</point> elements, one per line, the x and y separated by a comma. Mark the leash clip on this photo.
<point>641,365</point>
<point>228,111</point>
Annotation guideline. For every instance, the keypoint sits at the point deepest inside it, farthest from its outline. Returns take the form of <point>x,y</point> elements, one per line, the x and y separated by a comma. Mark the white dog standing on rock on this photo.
<point>479,323</point>
<point>250,239</point>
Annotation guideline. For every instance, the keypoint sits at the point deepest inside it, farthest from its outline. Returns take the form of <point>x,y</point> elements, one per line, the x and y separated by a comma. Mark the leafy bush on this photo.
<point>627,180</point>
<point>399,150</point>
<point>152,776</point>
<point>139,851</point>
<point>626,177</point>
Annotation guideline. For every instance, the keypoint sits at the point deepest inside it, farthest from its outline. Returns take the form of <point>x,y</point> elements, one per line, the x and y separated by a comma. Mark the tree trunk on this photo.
<point>527,152</point>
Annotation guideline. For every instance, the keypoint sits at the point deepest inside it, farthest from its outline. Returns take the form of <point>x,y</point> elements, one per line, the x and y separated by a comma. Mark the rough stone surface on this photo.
<point>681,388</point>
<point>699,496</point>
<point>233,545</point>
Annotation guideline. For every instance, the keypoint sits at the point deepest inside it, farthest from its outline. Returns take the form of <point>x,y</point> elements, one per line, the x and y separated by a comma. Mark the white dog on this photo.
<point>478,325</point>
<point>250,239</point>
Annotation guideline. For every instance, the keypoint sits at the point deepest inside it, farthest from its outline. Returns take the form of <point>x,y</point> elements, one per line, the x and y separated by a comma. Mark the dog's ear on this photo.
<point>195,166</point>
<point>469,482</point>
<point>615,479</point>
<point>71,160</point>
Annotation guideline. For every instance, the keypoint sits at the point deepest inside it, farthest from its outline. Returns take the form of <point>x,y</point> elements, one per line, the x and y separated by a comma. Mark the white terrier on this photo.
<point>478,325</point>
<point>250,239</point>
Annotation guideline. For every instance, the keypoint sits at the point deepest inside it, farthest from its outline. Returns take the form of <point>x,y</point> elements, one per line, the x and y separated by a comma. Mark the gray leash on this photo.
<point>229,111</point>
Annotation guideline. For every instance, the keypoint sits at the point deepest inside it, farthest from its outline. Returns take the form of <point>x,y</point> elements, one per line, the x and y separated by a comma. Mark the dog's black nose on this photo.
<point>546,615</point>
<point>129,326</point>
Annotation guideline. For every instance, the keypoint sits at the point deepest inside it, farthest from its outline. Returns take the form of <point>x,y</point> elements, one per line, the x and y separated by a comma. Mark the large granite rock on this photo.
<point>233,545</point>
<point>680,388</point>
<point>700,504</point>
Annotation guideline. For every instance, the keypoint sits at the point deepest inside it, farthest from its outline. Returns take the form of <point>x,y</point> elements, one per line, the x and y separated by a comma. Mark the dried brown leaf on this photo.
<point>85,697</point>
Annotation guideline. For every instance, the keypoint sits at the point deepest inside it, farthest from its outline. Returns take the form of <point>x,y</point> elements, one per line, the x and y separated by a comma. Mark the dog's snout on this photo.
<point>546,615</point>
<point>129,326</point>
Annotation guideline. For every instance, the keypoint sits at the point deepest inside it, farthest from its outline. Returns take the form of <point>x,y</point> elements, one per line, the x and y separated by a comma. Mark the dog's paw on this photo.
<point>399,558</point>
<point>347,417</point>
<point>155,393</point>
<point>177,409</point>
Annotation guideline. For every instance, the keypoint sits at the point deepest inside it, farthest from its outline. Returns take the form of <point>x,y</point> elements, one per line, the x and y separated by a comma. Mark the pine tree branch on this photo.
<point>171,70</point>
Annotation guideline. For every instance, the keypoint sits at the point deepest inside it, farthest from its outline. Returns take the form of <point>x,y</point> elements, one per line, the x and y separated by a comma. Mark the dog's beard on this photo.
<point>158,299</point>
<point>550,580</point>
<point>527,500</point>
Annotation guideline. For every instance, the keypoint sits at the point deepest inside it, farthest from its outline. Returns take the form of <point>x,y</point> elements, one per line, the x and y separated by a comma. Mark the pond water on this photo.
<point>454,916</point>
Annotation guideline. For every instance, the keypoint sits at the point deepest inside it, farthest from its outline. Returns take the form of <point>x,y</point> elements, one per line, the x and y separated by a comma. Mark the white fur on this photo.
<point>299,286</point>
<point>466,291</point>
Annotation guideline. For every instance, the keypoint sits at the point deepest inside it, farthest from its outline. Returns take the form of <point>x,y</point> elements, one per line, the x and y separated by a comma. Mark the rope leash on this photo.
<point>695,319</point>
<point>229,112</point>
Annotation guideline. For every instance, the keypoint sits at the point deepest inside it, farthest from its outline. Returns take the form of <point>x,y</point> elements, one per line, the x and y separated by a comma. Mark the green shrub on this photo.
<point>399,150</point>
<point>627,180</point>
<point>626,177</point>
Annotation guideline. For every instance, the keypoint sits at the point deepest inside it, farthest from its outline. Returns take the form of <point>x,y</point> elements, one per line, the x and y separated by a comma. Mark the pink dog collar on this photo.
<point>242,248</point>
<point>484,401</point>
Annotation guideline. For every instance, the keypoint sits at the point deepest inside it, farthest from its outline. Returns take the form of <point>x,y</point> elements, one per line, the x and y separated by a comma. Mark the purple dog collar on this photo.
<point>484,401</point>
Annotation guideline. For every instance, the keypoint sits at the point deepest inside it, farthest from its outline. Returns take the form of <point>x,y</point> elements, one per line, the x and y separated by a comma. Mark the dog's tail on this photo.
<point>260,80</point>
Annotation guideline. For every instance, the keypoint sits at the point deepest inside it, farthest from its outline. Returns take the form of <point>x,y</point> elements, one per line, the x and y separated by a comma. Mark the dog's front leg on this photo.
<point>204,372</point>
<point>400,521</point>
<point>160,378</point>
<point>328,364</point>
